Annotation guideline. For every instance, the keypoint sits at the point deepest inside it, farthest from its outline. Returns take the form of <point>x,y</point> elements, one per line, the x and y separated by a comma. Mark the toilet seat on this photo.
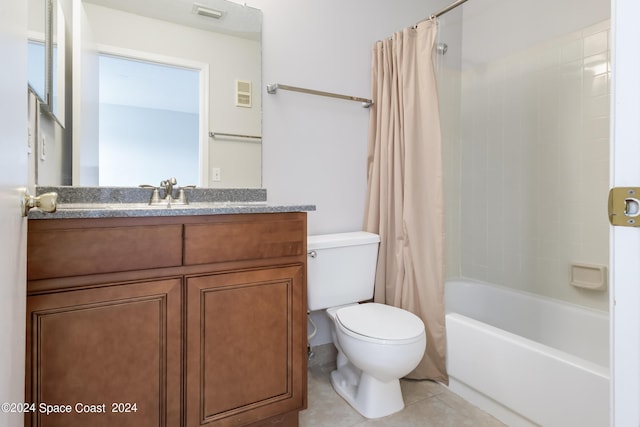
<point>380,323</point>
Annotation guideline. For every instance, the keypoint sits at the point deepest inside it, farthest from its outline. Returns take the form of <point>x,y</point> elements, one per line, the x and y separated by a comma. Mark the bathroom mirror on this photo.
<point>36,51</point>
<point>46,70</point>
<point>218,39</point>
<point>54,47</point>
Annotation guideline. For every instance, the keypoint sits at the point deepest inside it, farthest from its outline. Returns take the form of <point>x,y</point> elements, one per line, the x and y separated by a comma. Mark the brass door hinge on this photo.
<point>624,206</point>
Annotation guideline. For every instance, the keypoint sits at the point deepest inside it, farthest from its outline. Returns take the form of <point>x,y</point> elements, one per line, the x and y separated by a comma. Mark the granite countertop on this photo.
<point>114,202</point>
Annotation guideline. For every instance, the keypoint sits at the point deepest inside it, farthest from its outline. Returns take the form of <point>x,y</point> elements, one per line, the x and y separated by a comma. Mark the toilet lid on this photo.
<point>380,321</point>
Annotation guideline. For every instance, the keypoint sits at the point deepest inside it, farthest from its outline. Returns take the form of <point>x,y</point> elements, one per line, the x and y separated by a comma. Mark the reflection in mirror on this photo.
<point>46,39</point>
<point>36,67</point>
<point>54,89</point>
<point>226,51</point>
<point>149,111</point>
<point>36,49</point>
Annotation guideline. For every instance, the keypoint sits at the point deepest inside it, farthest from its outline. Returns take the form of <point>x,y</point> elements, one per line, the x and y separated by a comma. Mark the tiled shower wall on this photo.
<point>527,166</point>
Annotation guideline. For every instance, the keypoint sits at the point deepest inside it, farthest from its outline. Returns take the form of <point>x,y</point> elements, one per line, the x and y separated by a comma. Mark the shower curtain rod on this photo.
<point>445,10</point>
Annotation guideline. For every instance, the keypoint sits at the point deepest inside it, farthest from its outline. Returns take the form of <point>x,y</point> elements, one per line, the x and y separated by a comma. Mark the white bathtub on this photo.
<point>525,359</point>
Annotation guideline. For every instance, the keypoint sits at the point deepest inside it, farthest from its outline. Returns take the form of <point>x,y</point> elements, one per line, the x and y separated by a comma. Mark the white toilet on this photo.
<point>377,344</point>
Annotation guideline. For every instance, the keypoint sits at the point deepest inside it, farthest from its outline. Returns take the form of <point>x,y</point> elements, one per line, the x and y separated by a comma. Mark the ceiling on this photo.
<point>238,20</point>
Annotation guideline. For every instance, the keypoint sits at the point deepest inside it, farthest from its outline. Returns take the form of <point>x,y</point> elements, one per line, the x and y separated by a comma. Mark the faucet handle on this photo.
<point>155,194</point>
<point>182,197</point>
<point>168,183</point>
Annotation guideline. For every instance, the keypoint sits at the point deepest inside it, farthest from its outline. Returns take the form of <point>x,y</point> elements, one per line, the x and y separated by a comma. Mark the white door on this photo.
<point>13,180</point>
<point>625,241</point>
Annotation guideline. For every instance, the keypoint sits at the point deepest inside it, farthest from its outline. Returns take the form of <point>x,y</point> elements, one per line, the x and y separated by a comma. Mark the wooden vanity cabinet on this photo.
<point>241,341</point>
<point>195,320</point>
<point>105,356</point>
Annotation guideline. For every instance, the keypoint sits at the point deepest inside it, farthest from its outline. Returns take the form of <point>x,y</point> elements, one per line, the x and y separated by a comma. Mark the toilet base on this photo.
<point>369,396</point>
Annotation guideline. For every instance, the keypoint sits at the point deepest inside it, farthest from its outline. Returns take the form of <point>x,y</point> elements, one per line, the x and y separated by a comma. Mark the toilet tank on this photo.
<point>341,268</point>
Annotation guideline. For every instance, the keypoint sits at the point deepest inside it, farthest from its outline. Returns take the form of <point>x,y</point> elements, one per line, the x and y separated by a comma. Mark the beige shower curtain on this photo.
<point>405,201</point>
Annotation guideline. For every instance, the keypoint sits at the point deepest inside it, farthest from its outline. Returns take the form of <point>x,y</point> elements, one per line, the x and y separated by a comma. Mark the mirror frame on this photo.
<point>39,38</point>
<point>55,44</point>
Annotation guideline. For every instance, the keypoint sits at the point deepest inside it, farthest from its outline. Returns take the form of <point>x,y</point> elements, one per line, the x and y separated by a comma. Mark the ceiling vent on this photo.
<point>243,93</point>
<point>203,10</point>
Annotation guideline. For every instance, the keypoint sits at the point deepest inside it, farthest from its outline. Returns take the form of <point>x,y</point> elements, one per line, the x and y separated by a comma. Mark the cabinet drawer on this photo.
<point>243,240</point>
<point>66,252</point>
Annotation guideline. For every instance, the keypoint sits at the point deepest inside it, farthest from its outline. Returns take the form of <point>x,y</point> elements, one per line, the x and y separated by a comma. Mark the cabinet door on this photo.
<point>245,346</point>
<point>107,356</point>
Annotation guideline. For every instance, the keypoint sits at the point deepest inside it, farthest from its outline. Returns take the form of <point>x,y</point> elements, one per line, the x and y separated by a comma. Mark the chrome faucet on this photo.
<point>155,194</point>
<point>168,189</point>
<point>182,196</point>
<point>168,185</point>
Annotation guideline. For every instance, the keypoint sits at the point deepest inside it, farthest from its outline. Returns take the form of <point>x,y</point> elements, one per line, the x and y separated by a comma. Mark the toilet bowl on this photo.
<point>377,344</point>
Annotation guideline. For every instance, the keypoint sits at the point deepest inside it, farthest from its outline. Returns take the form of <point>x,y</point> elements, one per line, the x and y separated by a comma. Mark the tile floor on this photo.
<point>428,404</point>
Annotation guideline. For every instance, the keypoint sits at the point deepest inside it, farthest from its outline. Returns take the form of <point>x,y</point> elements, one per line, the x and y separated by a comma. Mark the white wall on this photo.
<point>47,151</point>
<point>314,148</point>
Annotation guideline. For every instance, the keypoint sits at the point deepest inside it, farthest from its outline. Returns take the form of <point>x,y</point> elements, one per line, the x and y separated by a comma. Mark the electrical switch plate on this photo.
<point>30,141</point>
<point>215,175</point>
<point>43,148</point>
